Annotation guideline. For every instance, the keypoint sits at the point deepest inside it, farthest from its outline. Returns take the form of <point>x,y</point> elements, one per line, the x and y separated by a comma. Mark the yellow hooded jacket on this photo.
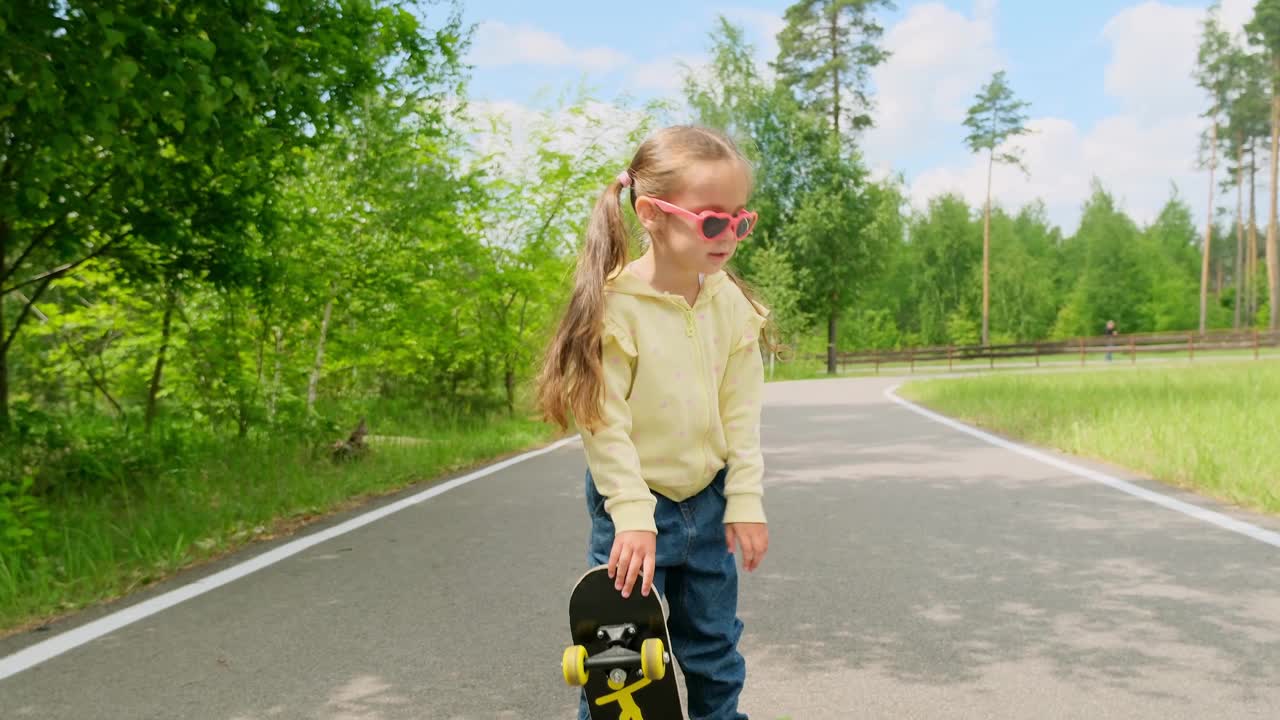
<point>682,394</point>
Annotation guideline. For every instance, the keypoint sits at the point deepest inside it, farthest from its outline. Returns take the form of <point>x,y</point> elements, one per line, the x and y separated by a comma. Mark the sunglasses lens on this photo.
<point>713,226</point>
<point>744,227</point>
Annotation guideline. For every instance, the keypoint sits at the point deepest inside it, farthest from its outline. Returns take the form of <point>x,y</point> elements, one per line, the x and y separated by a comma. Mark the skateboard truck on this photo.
<point>618,655</point>
<point>651,660</point>
<point>617,634</point>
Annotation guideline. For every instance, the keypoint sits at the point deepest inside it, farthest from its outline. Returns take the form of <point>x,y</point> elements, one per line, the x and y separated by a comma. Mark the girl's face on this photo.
<point>722,187</point>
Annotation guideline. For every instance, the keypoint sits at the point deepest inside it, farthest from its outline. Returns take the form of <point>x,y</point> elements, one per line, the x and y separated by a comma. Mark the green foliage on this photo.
<point>779,286</point>
<point>826,52</point>
<point>946,257</point>
<point>1264,27</point>
<point>1173,265</point>
<point>962,329</point>
<point>1024,302</point>
<point>1216,72</point>
<point>995,117</point>
<point>840,254</point>
<point>1113,278</point>
<point>870,329</point>
<point>153,134</point>
<point>24,522</point>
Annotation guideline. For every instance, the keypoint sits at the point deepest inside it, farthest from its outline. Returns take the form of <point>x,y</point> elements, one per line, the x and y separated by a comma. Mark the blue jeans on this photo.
<point>698,578</point>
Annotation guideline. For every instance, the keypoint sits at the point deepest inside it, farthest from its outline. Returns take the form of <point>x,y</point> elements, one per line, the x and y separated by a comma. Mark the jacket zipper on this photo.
<point>692,334</point>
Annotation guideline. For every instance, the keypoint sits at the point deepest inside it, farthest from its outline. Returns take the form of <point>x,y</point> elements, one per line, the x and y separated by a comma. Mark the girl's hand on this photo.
<point>753,538</point>
<point>634,555</point>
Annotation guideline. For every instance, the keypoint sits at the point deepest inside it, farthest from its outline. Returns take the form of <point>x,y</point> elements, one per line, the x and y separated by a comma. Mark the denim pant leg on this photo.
<point>703,595</point>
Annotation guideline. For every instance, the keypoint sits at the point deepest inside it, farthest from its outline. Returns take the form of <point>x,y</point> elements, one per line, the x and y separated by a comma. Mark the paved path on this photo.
<point>915,572</point>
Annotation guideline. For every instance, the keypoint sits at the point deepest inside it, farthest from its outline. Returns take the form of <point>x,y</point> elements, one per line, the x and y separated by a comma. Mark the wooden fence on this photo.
<point>1119,346</point>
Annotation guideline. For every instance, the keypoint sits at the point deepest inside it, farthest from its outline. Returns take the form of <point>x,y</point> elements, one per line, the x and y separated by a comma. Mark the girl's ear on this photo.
<point>650,215</point>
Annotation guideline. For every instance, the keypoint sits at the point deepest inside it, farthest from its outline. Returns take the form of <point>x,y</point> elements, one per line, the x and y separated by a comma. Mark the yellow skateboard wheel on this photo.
<point>653,664</point>
<point>573,666</point>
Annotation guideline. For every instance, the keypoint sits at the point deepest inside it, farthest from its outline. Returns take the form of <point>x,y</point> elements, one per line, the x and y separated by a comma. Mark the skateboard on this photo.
<point>620,656</point>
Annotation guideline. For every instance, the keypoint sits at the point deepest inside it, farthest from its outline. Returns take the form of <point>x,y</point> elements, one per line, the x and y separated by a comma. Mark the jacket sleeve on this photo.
<point>611,455</point>
<point>740,400</point>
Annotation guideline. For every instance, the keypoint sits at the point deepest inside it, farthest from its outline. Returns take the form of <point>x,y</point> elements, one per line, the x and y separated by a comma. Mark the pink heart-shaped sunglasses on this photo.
<point>712,224</point>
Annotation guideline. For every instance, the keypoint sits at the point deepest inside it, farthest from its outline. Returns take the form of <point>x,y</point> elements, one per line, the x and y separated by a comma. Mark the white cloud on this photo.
<point>498,43</point>
<point>940,58</point>
<point>501,44</point>
<point>1154,49</point>
<point>666,74</point>
<point>1136,153</point>
<point>1235,13</point>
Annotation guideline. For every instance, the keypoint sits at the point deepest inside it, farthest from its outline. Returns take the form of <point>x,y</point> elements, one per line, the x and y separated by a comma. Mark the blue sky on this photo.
<point>1108,81</point>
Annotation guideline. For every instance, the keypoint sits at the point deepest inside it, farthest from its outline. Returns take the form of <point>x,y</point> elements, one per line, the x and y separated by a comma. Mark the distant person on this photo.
<point>658,361</point>
<point>1110,332</point>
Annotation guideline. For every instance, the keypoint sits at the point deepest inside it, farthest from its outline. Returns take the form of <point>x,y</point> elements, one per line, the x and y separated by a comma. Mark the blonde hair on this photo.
<point>572,377</point>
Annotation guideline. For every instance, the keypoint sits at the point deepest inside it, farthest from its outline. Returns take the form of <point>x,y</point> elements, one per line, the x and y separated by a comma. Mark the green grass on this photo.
<point>1211,428</point>
<point>110,541</point>
<point>795,369</point>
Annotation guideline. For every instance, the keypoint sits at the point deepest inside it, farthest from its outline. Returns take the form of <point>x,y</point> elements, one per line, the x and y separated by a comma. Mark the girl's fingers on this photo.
<point>624,563</point>
<point>762,547</point>
<point>634,569</point>
<point>649,565</point>
<point>613,558</point>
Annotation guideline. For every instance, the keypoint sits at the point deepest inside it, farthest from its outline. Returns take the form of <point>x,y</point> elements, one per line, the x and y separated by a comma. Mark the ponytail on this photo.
<point>572,378</point>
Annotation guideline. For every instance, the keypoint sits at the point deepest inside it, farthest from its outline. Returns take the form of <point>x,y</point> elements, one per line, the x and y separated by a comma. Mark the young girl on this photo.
<point>658,362</point>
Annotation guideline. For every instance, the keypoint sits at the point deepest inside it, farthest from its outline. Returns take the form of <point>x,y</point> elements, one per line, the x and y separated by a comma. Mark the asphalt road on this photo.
<point>915,572</point>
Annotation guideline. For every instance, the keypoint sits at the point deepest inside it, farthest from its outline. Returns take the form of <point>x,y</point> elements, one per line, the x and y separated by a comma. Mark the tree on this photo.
<point>1023,301</point>
<point>826,52</point>
<point>142,132</point>
<point>840,260</point>
<point>1264,31</point>
<point>1216,75</point>
<point>361,216</point>
<point>730,96</point>
<point>1249,126</point>
<point>778,283</point>
<point>1246,122</point>
<point>1110,272</point>
<point>946,251</point>
<point>996,117</point>
<point>1254,113</point>
<point>825,55</point>
<point>1168,249</point>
